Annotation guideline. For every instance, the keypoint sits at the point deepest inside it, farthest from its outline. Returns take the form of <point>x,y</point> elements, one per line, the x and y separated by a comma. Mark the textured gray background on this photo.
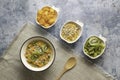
<point>99,17</point>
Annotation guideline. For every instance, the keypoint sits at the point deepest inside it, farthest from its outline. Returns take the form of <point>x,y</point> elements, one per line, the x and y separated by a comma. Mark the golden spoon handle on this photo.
<point>61,74</point>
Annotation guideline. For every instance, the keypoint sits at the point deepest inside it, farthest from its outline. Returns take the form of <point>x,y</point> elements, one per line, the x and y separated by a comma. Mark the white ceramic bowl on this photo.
<point>23,50</point>
<point>80,24</point>
<point>100,37</point>
<point>57,10</point>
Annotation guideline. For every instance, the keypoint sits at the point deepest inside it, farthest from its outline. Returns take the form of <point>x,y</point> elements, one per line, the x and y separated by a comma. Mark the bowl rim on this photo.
<point>48,42</point>
<point>100,37</point>
<point>53,7</point>
<point>80,24</point>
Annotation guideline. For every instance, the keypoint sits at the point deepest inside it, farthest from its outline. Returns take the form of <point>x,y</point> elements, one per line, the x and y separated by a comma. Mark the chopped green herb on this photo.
<point>94,46</point>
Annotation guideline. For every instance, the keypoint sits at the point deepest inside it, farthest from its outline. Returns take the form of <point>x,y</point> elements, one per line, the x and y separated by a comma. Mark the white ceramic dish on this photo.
<point>80,24</point>
<point>24,60</point>
<point>57,10</point>
<point>100,37</point>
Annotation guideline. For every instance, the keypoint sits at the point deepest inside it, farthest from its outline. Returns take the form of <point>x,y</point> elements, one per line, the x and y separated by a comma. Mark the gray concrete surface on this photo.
<point>99,17</point>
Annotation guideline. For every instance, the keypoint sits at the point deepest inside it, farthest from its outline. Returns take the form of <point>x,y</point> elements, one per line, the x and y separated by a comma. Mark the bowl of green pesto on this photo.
<point>94,46</point>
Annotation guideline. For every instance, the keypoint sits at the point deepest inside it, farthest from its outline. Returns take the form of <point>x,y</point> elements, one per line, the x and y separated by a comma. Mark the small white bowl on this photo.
<point>56,9</point>
<point>100,37</point>
<point>80,24</point>
<point>23,50</point>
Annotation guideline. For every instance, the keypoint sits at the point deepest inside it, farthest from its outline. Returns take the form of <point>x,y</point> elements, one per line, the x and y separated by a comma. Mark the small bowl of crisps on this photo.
<point>47,16</point>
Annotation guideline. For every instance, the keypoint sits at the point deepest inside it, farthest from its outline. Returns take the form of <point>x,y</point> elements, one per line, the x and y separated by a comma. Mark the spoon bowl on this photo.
<point>70,63</point>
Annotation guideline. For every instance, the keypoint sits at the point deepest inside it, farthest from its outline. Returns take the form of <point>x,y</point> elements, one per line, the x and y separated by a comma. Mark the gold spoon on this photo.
<point>69,65</point>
